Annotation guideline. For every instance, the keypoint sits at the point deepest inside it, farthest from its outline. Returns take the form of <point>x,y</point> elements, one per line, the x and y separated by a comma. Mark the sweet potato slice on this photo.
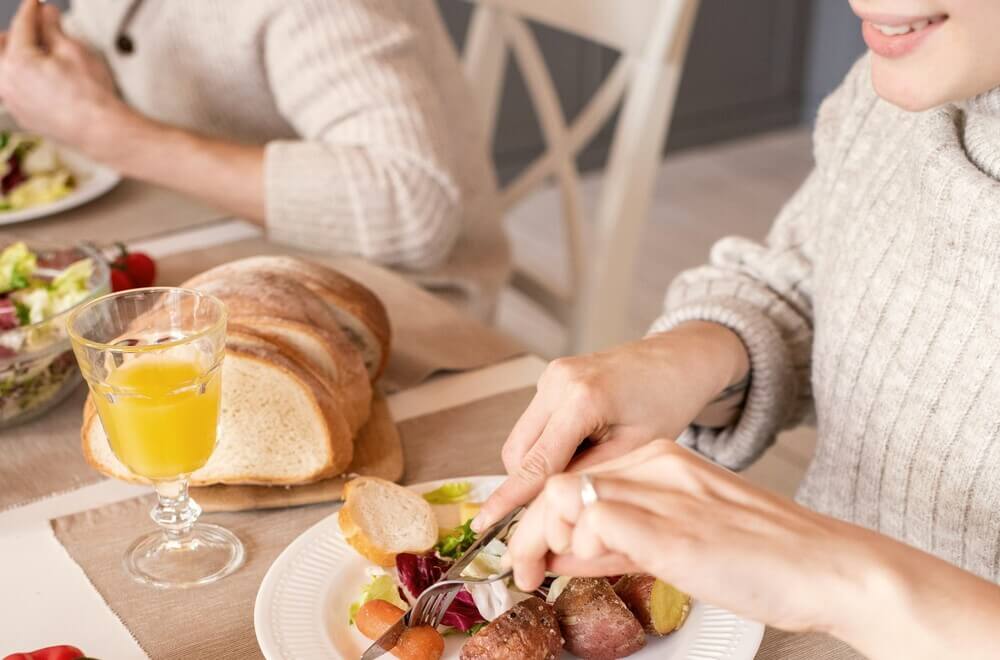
<point>595,622</point>
<point>660,607</point>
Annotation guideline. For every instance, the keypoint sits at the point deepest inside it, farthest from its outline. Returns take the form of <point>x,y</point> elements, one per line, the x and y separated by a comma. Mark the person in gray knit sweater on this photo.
<point>871,310</point>
<point>342,127</point>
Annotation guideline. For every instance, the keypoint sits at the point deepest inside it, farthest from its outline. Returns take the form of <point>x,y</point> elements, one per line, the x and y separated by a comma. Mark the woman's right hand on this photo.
<point>616,400</point>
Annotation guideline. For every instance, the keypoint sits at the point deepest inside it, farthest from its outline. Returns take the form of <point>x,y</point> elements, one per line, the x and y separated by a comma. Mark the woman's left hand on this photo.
<point>52,84</point>
<point>664,510</point>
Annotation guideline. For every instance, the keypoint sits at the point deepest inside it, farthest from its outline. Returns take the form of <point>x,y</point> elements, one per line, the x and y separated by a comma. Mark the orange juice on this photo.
<point>160,415</point>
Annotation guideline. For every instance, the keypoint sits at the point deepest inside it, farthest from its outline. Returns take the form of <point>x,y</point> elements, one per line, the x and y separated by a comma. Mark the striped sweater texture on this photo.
<point>372,144</point>
<point>873,310</point>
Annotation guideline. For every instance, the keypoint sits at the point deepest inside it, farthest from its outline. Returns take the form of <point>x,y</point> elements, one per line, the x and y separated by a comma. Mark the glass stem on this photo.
<point>174,512</point>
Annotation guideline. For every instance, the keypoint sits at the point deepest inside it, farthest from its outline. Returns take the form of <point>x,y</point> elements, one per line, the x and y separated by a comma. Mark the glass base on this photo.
<point>203,555</point>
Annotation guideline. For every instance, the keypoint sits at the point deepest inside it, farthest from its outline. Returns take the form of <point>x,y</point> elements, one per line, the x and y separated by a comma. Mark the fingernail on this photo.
<point>477,523</point>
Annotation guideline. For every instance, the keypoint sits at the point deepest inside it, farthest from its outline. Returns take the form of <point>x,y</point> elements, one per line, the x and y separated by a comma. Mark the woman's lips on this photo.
<point>895,37</point>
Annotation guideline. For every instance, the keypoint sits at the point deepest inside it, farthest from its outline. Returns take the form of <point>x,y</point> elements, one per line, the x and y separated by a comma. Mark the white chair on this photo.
<point>652,36</point>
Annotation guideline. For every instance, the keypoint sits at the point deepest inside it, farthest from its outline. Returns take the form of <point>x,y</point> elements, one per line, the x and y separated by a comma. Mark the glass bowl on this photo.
<point>37,367</point>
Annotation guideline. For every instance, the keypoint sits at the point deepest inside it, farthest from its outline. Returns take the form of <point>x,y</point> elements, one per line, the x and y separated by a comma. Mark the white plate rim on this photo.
<point>94,180</point>
<point>722,635</point>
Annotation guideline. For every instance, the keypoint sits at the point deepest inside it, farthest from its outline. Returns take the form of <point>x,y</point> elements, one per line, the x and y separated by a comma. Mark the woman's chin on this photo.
<point>909,92</point>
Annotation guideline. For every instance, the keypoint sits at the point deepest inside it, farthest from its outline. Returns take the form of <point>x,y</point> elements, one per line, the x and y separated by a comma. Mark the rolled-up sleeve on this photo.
<point>764,293</point>
<point>373,172</point>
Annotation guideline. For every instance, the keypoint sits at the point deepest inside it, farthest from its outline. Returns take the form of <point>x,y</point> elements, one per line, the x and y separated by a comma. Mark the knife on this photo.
<point>390,637</point>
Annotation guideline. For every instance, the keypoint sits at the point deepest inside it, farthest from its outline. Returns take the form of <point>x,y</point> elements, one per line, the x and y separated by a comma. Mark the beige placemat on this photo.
<point>216,621</point>
<point>43,457</point>
<point>131,211</point>
<point>428,334</point>
<point>781,645</point>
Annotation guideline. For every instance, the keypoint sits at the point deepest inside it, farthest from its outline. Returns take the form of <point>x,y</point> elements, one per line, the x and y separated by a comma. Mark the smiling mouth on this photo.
<point>899,28</point>
<point>897,36</point>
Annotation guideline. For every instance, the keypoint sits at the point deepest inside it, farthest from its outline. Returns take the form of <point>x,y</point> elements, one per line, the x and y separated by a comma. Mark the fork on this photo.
<point>435,600</point>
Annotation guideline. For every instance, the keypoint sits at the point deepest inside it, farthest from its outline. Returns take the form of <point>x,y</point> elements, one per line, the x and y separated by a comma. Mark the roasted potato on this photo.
<point>659,607</point>
<point>595,622</point>
<point>527,631</point>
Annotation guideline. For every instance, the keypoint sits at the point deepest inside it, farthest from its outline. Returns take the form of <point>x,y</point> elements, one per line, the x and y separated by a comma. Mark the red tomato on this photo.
<point>49,653</point>
<point>120,281</point>
<point>140,268</point>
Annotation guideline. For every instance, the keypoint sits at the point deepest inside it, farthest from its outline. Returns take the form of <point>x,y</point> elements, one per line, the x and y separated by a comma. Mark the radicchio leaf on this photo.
<point>417,572</point>
<point>8,314</point>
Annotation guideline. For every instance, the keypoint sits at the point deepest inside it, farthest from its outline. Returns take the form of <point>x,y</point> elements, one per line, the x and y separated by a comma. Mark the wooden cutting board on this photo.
<point>378,452</point>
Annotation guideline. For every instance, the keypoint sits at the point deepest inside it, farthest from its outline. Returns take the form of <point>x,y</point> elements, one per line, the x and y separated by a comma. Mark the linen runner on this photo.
<point>429,335</point>
<point>131,211</point>
<point>216,621</point>
<point>43,457</point>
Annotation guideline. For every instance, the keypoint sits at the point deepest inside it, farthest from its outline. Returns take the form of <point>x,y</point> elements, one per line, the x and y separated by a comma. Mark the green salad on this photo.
<point>36,288</point>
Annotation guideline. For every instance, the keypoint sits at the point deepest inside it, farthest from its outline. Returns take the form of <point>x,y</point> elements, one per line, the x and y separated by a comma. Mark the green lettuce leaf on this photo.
<point>17,264</point>
<point>381,587</point>
<point>457,542</point>
<point>450,493</point>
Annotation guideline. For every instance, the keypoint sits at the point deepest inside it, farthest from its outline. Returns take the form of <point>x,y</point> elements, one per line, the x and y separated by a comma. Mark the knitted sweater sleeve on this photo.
<point>763,293</point>
<point>372,173</point>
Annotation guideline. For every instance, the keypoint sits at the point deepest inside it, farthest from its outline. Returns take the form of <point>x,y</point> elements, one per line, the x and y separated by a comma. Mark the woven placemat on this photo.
<point>216,621</point>
<point>43,457</point>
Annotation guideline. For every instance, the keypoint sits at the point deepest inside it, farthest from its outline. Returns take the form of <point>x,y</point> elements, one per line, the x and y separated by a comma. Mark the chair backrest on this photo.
<point>652,37</point>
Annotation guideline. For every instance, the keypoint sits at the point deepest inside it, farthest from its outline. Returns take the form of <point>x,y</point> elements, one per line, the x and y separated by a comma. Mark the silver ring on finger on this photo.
<point>588,494</point>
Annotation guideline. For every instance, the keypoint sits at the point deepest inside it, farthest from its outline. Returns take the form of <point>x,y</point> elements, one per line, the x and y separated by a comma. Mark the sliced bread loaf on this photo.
<point>332,359</point>
<point>381,519</point>
<point>277,426</point>
<point>359,311</point>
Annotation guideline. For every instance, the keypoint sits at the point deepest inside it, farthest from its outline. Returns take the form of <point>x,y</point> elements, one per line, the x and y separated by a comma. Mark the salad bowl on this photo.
<point>39,284</point>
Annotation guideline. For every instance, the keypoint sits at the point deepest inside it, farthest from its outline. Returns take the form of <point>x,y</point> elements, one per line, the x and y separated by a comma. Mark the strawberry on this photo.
<point>140,268</point>
<point>120,281</point>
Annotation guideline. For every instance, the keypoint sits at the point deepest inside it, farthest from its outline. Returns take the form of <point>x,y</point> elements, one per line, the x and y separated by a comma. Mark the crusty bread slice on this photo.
<point>381,519</point>
<point>359,311</point>
<point>274,428</point>
<point>339,369</point>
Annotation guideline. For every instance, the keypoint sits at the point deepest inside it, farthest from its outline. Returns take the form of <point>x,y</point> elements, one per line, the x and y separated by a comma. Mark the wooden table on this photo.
<point>46,598</point>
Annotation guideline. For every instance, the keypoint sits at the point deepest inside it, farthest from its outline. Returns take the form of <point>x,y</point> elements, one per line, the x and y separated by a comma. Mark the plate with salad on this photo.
<point>352,575</point>
<point>38,286</point>
<point>39,178</point>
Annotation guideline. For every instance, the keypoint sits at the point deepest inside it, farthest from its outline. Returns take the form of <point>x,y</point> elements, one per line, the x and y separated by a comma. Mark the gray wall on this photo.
<point>833,45</point>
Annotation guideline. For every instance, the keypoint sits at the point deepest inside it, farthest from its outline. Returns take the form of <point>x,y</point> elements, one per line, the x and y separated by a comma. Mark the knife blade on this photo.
<point>390,637</point>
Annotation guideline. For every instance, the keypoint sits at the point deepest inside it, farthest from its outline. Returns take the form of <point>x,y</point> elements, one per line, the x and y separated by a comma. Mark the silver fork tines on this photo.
<point>434,602</point>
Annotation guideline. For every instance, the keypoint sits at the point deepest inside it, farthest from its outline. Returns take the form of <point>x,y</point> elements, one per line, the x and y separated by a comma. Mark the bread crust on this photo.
<point>334,288</point>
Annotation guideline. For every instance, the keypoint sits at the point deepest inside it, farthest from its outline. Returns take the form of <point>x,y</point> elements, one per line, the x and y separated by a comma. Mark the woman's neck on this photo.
<point>981,132</point>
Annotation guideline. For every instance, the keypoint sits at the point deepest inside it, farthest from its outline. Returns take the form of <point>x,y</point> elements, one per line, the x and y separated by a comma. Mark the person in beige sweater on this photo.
<point>342,127</point>
<point>871,310</point>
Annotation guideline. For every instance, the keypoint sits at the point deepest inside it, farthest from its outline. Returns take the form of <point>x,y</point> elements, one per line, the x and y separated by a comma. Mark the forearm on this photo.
<point>717,358</point>
<point>908,604</point>
<point>225,174</point>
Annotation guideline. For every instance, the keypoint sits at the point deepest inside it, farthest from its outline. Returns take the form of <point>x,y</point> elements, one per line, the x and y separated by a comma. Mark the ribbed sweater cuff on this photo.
<point>740,444</point>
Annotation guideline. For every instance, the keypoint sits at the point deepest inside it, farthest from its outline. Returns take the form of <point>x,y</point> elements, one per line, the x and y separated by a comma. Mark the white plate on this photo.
<point>302,604</point>
<point>92,181</point>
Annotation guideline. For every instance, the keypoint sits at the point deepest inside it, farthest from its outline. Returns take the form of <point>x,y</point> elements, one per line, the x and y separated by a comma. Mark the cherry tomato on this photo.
<point>140,268</point>
<point>120,281</point>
